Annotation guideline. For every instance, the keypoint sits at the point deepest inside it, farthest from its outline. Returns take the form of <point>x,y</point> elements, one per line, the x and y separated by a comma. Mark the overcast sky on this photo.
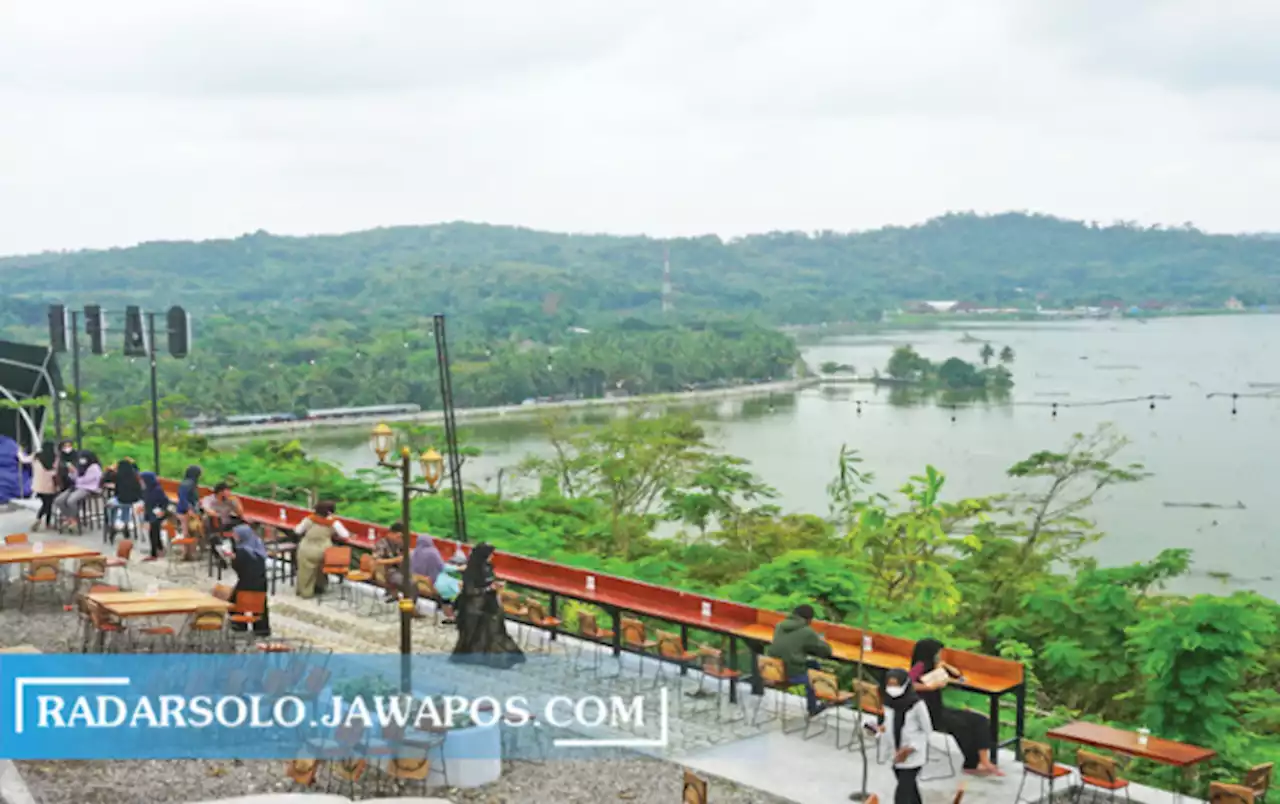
<point>136,120</point>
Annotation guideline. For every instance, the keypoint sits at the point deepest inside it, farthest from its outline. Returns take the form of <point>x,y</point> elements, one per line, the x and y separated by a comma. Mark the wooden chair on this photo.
<point>42,572</point>
<point>17,538</point>
<point>1258,779</point>
<point>1037,760</point>
<point>635,638</point>
<point>92,569</point>
<point>302,773</point>
<point>695,789</point>
<point>514,608</point>
<point>120,561</point>
<point>187,546</point>
<point>364,574</point>
<point>348,771</point>
<point>773,676</point>
<point>871,703</point>
<point>1222,793</point>
<point>711,667</point>
<point>206,629</point>
<point>427,591</point>
<point>84,616</point>
<point>105,627</point>
<point>336,564</point>
<point>672,655</point>
<point>1100,772</point>
<point>402,771</point>
<point>830,698</point>
<point>590,633</point>
<point>222,592</point>
<point>539,620</point>
<point>248,609</point>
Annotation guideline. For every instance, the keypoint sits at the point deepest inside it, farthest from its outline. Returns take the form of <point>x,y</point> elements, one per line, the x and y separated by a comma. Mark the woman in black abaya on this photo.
<point>482,627</point>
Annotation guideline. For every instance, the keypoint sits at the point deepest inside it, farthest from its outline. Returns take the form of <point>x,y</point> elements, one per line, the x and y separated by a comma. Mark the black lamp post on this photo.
<point>432,464</point>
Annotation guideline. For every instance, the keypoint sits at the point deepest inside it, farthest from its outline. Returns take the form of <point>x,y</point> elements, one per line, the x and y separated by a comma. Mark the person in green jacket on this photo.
<point>794,641</point>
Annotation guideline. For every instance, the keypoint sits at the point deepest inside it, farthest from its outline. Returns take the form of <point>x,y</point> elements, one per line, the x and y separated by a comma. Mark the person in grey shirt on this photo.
<point>907,721</point>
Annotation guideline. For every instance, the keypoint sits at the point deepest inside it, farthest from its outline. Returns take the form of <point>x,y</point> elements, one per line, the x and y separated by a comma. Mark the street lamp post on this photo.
<point>382,439</point>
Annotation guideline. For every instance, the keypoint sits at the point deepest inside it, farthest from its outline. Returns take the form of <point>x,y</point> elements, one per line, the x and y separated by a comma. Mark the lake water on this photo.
<point>1198,451</point>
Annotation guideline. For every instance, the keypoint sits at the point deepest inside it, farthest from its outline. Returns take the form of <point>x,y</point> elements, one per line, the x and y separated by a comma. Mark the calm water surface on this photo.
<point>1198,452</point>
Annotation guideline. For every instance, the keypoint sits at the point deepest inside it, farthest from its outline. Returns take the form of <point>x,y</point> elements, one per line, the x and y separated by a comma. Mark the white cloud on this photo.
<point>146,119</point>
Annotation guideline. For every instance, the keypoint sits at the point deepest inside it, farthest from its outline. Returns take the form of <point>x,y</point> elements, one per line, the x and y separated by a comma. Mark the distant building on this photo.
<point>1234,304</point>
<point>931,307</point>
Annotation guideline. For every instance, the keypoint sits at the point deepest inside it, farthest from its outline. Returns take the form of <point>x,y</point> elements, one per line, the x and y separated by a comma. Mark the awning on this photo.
<point>26,372</point>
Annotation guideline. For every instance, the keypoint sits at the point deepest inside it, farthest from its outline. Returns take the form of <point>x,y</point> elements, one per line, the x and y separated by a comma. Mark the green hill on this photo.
<point>262,299</point>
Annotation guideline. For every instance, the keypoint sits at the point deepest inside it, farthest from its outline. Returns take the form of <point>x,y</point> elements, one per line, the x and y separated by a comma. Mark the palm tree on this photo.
<point>986,354</point>
<point>1006,354</point>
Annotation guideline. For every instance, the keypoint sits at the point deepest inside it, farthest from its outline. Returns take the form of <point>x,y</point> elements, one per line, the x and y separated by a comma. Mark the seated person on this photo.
<point>449,585</point>
<point>794,641</point>
<point>223,511</point>
<point>389,547</point>
<point>930,675</point>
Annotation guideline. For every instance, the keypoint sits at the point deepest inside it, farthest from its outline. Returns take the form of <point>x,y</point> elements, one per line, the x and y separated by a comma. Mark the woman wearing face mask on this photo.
<point>88,481</point>
<point>907,720</point>
<point>44,481</point>
<point>66,465</point>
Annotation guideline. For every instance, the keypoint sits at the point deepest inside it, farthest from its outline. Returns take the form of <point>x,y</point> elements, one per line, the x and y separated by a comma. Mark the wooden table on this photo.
<point>1179,756</point>
<point>57,549</point>
<point>21,649</point>
<point>164,601</point>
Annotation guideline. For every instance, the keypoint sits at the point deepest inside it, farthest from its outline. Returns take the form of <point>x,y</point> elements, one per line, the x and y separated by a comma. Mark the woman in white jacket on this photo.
<point>907,720</point>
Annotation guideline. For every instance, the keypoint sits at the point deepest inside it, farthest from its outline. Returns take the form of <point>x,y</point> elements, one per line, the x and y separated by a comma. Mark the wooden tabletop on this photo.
<point>21,649</point>
<point>884,660</point>
<point>164,601</point>
<point>1166,752</point>
<point>23,553</point>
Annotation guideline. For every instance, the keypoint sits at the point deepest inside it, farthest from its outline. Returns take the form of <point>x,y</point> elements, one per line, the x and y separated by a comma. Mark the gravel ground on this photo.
<point>639,780</point>
<point>47,627</point>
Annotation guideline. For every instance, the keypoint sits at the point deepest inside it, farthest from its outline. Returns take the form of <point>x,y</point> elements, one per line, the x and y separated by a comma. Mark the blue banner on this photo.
<point>321,705</point>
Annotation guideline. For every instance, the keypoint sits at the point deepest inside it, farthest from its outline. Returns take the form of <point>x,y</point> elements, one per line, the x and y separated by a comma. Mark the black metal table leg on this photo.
<point>684,644</point>
<point>994,709</point>
<point>733,664</point>
<point>554,606</point>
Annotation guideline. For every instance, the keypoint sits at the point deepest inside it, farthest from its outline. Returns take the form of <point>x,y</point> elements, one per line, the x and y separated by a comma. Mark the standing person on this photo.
<point>318,532</point>
<point>482,627</point>
<point>44,481</point>
<point>907,719</point>
<point>87,477</point>
<point>66,465</point>
<point>189,509</point>
<point>128,494</point>
<point>250,565</point>
<point>794,641</point>
<point>971,730</point>
<point>157,504</point>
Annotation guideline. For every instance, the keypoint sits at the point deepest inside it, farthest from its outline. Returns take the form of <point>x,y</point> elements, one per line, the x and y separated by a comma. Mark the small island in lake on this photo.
<point>910,368</point>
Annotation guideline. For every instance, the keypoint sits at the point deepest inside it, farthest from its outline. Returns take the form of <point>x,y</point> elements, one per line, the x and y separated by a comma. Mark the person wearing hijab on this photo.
<point>907,721</point>
<point>44,481</point>
<point>189,491</point>
<point>971,730</point>
<point>87,477</point>
<point>482,626</point>
<point>318,532</point>
<point>156,504</point>
<point>250,565</point>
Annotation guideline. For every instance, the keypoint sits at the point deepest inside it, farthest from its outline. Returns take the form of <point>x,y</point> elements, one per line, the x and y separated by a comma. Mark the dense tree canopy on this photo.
<point>358,305</point>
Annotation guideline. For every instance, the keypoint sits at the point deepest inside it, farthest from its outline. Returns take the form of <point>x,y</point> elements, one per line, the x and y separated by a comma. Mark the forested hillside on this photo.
<point>263,301</point>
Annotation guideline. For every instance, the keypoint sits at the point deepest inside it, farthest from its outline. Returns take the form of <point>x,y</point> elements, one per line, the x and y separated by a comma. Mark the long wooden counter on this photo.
<point>990,676</point>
